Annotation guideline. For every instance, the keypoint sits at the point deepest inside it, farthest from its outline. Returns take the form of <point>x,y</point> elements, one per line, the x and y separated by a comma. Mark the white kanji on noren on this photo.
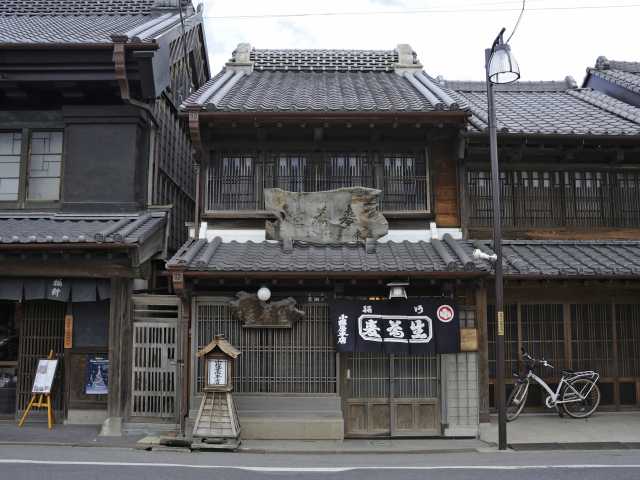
<point>342,329</point>
<point>418,309</point>
<point>417,329</point>
<point>371,328</point>
<point>367,309</point>
<point>395,329</point>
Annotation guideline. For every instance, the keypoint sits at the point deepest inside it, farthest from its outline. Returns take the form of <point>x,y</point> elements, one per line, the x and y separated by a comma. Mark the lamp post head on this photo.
<point>502,67</point>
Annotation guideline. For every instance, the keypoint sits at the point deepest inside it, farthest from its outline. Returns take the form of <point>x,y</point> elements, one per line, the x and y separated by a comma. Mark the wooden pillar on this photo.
<point>483,351</point>
<point>119,347</point>
<point>566,324</point>
<point>616,367</point>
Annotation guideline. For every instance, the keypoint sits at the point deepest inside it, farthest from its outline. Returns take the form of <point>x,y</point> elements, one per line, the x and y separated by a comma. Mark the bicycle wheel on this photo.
<point>517,399</point>
<point>577,407</point>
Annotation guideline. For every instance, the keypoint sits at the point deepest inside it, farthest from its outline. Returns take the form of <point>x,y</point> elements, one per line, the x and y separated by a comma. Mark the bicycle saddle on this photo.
<point>568,371</point>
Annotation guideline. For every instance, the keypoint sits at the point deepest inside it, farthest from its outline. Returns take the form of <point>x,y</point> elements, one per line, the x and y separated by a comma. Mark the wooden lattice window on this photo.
<point>300,359</point>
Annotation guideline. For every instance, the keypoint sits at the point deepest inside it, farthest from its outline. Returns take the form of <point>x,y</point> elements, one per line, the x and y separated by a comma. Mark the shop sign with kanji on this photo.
<point>415,326</point>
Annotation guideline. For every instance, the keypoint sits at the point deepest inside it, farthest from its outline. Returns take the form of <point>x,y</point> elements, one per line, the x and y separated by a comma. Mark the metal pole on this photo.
<point>497,248</point>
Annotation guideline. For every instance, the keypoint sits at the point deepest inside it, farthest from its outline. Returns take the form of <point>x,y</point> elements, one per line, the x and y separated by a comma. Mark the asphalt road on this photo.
<point>69,463</point>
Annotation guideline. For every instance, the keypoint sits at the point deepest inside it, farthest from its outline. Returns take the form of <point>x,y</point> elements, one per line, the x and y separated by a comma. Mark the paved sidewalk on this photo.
<point>37,433</point>
<point>549,429</point>
<point>356,446</point>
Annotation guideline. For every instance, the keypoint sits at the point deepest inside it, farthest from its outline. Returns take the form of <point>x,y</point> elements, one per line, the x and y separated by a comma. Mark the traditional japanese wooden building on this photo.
<point>570,188</point>
<point>96,185</point>
<point>317,121</point>
<point>277,121</point>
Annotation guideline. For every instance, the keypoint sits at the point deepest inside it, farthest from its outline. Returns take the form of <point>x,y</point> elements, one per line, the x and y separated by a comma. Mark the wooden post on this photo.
<point>566,323</point>
<point>616,367</point>
<point>483,352</point>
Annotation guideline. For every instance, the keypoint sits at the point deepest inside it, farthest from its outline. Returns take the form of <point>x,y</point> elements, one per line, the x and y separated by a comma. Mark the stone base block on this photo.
<point>461,431</point>
<point>85,417</point>
<point>267,427</point>
<point>112,427</point>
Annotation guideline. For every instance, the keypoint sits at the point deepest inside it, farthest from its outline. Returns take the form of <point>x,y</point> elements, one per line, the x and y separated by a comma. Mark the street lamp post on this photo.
<point>501,67</point>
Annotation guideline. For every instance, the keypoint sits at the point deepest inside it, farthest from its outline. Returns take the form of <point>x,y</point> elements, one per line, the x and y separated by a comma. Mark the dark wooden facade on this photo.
<point>412,163</point>
<point>107,118</point>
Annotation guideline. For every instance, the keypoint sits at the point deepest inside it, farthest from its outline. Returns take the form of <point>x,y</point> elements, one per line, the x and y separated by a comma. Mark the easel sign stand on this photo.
<point>217,426</point>
<point>41,390</point>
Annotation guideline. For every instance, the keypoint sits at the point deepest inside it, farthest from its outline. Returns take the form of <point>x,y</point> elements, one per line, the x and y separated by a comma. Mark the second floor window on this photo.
<point>30,170</point>
<point>236,182</point>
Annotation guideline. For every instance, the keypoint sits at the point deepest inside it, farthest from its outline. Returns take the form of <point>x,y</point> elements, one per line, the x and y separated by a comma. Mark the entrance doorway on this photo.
<point>391,395</point>
<point>154,381</point>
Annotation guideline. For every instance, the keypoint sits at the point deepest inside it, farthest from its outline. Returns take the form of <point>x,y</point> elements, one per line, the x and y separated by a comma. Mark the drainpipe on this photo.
<point>198,150</point>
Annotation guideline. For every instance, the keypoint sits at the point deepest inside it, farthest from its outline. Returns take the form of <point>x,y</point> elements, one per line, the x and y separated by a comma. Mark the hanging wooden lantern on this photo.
<point>217,426</point>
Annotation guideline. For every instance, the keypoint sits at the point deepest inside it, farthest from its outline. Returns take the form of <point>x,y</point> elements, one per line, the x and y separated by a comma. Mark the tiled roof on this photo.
<point>566,258</point>
<point>123,229</point>
<point>84,21</point>
<point>66,29</point>
<point>271,256</point>
<point>76,7</point>
<point>324,60</point>
<point>521,258</point>
<point>548,108</point>
<point>624,74</point>
<point>322,81</point>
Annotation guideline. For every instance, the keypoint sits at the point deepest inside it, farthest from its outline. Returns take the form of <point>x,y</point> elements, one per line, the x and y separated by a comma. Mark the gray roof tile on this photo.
<point>316,91</point>
<point>624,74</point>
<point>269,256</point>
<point>549,108</point>
<point>76,7</point>
<point>82,21</point>
<point>324,60</point>
<point>522,258</point>
<point>125,229</point>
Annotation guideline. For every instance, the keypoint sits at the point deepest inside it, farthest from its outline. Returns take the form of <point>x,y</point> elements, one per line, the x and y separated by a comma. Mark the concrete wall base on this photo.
<point>268,427</point>
<point>112,427</point>
<point>461,431</point>
<point>85,417</point>
<point>284,417</point>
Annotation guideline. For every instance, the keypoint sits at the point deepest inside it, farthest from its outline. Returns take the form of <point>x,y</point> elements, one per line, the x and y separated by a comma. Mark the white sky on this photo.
<point>549,44</point>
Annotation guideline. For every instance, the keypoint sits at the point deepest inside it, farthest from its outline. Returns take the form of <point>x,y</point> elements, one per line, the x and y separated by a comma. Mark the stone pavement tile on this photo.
<point>605,427</point>
<point>36,432</point>
<point>398,446</point>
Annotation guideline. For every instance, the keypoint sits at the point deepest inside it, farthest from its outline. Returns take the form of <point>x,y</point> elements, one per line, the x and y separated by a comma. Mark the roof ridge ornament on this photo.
<point>241,59</point>
<point>407,60</point>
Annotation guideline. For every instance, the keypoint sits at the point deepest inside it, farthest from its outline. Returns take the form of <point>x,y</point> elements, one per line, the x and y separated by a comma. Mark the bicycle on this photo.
<point>577,394</point>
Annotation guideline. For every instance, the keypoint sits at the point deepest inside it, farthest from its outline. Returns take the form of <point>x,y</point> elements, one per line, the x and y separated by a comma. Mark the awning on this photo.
<point>58,289</point>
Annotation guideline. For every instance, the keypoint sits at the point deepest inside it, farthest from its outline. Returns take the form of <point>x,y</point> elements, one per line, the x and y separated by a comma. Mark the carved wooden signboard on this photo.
<point>334,216</point>
<point>258,314</point>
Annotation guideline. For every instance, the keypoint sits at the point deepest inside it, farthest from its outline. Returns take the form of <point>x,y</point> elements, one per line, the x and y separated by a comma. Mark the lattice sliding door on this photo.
<point>41,330</point>
<point>155,347</point>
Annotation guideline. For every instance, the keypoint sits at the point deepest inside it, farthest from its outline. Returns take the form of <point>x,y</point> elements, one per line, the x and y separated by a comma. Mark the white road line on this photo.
<point>320,469</point>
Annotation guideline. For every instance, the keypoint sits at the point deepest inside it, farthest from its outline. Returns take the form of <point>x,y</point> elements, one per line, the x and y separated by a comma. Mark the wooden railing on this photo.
<point>245,193</point>
<point>548,199</point>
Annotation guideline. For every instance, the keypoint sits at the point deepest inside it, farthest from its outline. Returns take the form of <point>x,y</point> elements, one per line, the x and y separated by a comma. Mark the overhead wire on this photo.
<point>515,27</point>
<point>420,11</point>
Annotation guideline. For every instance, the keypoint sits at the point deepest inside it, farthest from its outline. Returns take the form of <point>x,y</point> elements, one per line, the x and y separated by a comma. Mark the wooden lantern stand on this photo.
<point>217,426</point>
<point>40,400</point>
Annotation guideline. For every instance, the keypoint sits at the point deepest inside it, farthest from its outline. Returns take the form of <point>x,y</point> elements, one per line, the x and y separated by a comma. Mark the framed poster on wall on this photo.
<point>97,375</point>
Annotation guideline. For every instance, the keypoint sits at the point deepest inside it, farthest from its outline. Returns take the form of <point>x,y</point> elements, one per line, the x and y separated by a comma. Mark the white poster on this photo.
<point>44,376</point>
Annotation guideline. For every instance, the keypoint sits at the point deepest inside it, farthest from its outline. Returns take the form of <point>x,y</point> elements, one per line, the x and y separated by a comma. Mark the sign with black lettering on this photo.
<point>414,326</point>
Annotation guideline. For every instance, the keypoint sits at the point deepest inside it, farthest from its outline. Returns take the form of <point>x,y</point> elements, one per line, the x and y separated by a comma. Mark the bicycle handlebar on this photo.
<point>534,361</point>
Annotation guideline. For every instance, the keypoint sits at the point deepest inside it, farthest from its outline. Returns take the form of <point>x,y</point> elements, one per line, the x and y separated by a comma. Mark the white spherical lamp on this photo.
<point>264,294</point>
